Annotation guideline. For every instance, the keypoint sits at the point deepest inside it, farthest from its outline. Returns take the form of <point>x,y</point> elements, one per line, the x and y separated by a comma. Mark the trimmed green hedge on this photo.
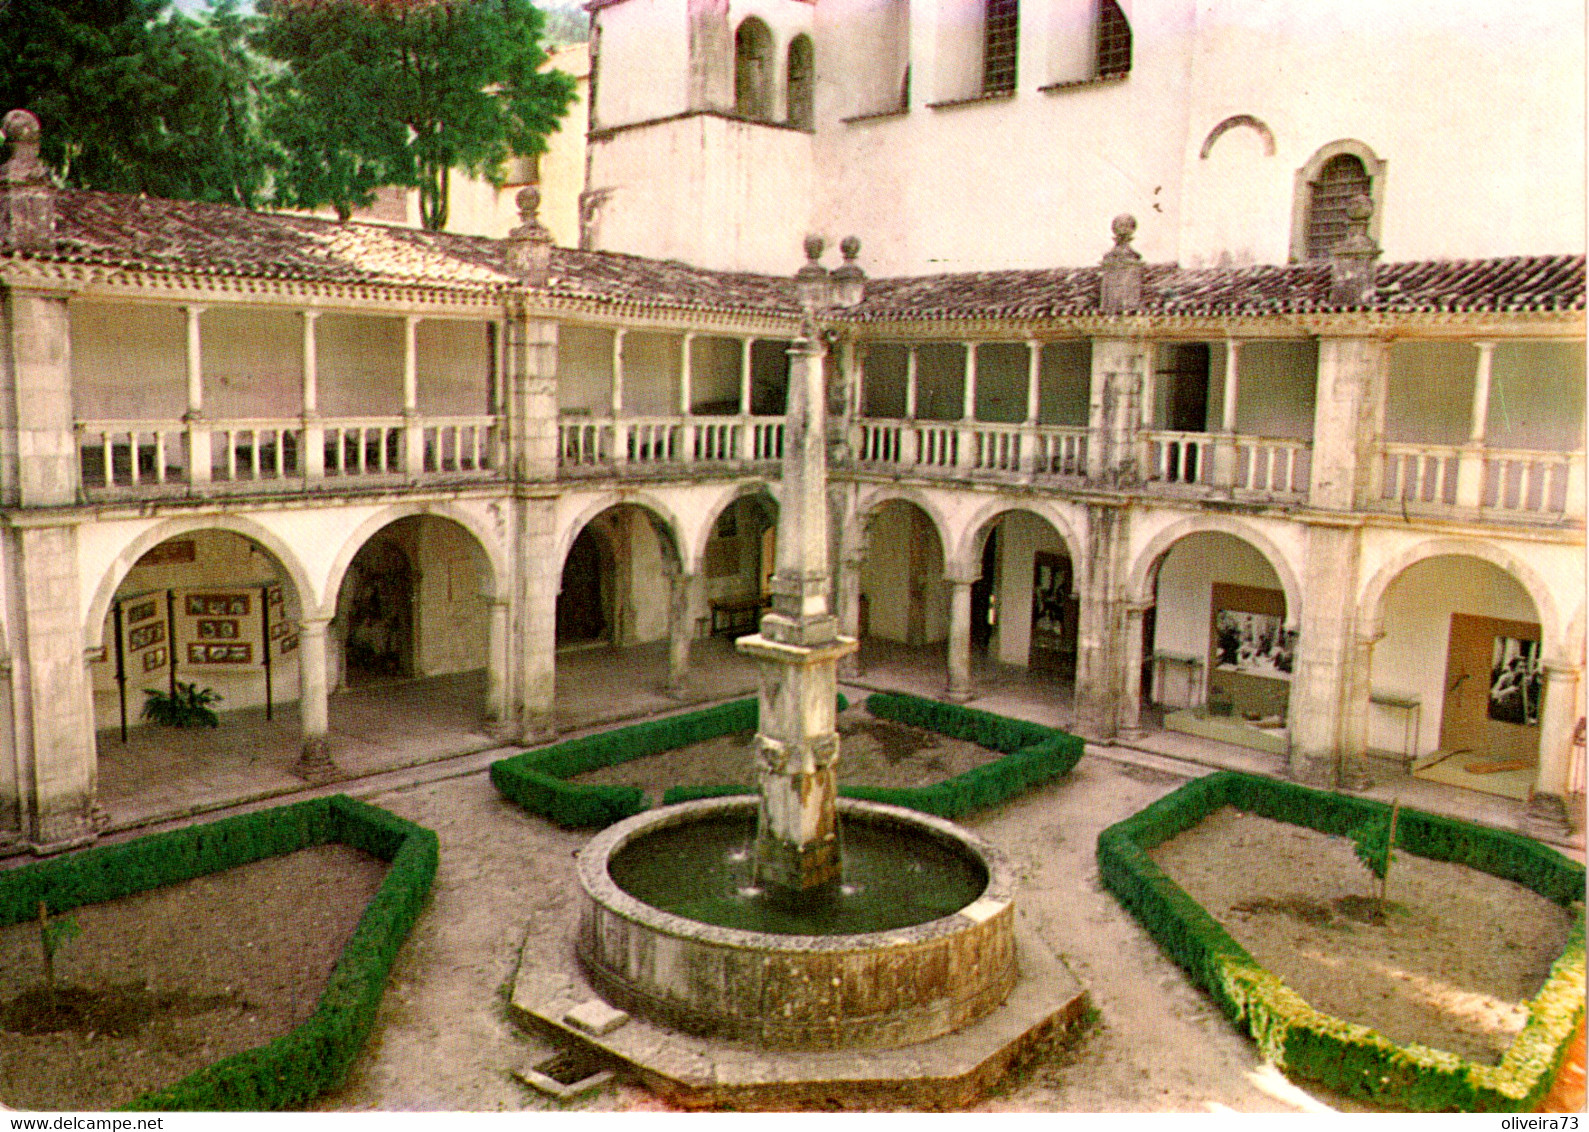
<point>535,779</point>
<point>1034,754</point>
<point>1347,1056</point>
<point>315,1056</point>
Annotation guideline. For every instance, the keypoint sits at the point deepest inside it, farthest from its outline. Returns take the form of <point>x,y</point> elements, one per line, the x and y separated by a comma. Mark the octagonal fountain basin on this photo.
<point>917,942</point>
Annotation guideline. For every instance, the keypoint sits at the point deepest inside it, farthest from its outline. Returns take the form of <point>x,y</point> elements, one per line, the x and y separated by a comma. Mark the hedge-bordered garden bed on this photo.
<point>1033,755</point>
<point>316,1055</point>
<point>1349,1057</point>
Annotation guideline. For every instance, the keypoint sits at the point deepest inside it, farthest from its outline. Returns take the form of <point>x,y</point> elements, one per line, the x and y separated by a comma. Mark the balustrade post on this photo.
<point>1470,461</point>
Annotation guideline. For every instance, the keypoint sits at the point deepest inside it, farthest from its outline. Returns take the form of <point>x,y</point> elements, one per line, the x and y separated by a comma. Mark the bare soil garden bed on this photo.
<point>1449,965</point>
<point>872,752</point>
<point>161,984</point>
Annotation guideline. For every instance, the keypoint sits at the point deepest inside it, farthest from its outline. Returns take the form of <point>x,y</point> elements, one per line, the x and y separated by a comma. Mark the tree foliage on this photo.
<point>136,98</point>
<point>376,92</point>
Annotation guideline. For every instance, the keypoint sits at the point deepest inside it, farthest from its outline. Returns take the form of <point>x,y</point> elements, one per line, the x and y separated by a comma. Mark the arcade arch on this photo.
<point>1217,636</point>
<point>1458,673</point>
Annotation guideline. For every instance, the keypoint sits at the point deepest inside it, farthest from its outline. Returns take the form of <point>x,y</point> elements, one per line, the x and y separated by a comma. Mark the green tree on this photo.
<point>400,92</point>
<point>134,97</point>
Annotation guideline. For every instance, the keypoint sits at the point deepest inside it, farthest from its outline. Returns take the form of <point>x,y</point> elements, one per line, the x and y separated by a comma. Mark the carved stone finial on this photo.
<point>1353,262</point>
<point>529,246</point>
<point>849,281</point>
<point>1120,282</point>
<point>27,198</point>
<point>812,283</point>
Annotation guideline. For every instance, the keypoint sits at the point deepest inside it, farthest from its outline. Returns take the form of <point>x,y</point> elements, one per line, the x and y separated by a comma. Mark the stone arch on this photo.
<point>1139,585</point>
<point>1371,603</point>
<point>723,503</point>
<point>99,606</point>
<point>865,506</point>
<point>662,517</point>
<point>968,552</point>
<point>1302,192</point>
<point>496,566</point>
<point>1238,121</point>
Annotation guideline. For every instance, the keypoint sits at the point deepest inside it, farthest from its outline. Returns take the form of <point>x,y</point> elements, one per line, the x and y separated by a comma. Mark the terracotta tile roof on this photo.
<point>1516,283</point>
<point>137,233</point>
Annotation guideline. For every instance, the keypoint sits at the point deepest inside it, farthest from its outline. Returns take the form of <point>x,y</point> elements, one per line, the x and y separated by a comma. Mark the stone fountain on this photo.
<point>731,950</point>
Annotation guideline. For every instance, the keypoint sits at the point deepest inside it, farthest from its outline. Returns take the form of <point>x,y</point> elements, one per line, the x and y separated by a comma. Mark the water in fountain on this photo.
<point>703,871</point>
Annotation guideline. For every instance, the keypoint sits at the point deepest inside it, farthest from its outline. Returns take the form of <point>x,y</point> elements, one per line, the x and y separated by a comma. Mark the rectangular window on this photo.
<point>1000,41</point>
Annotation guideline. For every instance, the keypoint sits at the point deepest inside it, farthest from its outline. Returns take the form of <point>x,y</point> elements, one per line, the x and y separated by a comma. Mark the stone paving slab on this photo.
<point>694,1072</point>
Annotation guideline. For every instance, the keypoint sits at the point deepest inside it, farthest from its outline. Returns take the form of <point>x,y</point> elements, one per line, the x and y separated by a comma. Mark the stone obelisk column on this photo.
<point>798,648</point>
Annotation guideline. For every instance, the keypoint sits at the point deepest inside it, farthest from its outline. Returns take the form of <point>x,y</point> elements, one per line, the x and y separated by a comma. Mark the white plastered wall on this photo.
<point>453,362</point>
<point>643,61</point>
<point>1500,88</point>
<point>360,360</point>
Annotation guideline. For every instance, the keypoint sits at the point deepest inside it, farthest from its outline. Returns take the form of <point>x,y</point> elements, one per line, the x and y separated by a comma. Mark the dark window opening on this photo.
<point>753,70</point>
<point>1000,40</point>
<point>1114,40</point>
<point>1342,178</point>
<point>800,82</point>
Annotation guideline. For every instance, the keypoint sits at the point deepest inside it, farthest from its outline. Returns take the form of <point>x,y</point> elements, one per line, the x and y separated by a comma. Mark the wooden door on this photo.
<point>1493,686</point>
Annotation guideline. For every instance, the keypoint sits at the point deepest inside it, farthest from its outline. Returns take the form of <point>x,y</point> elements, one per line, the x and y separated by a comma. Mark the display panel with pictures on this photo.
<point>1516,681</point>
<point>1256,644</point>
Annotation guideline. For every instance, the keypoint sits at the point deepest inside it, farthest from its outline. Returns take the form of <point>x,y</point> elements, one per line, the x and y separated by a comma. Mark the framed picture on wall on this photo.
<point>1257,644</point>
<point>140,612</point>
<point>154,658</point>
<point>1515,681</point>
<point>145,635</point>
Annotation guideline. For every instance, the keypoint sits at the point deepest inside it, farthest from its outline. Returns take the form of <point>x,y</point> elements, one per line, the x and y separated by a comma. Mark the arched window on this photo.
<point>801,81</point>
<point>1342,178</point>
<point>1324,186</point>
<point>1001,34</point>
<point>1114,40</point>
<point>753,66</point>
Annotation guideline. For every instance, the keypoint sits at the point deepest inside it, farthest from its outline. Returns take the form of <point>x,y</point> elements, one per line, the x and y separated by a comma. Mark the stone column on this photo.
<point>909,443</point>
<point>1120,388</point>
<point>968,411</point>
<point>797,651</point>
<point>959,638</point>
<point>312,457</point>
<point>1131,671</point>
<point>413,427</point>
<point>681,624</point>
<point>1557,719</point>
<point>1348,422</point>
<point>1322,685</point>
<point>1030,461</point>
<point>540,573</point>
<point>1101,627</point>
<point>41,355</point>
<point>1470,464</point>
<point>686,398</point>
<point>313,703</point>
<point>1225,442</point>
<point>531,395</point>
<point>498,714</point>
<point>850,611</point>
<point>1354,713</point>
<point>198,430</point>
<point>54,728</point>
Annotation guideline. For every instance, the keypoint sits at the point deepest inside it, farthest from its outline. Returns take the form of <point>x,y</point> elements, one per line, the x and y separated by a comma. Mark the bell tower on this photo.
<point>700,144</point>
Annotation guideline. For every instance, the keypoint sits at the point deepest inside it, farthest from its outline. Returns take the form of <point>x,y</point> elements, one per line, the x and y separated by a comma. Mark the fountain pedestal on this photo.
<point>797,746</point>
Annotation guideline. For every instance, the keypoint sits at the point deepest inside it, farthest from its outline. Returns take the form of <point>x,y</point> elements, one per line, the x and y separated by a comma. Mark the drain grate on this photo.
<point>566,1074</point>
